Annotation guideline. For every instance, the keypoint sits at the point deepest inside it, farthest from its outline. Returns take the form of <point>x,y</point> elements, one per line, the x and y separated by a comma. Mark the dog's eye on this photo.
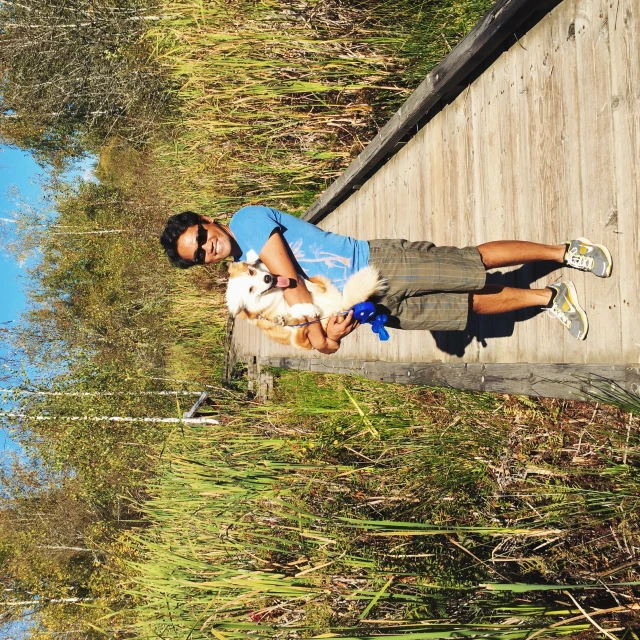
<point>251,290</point>
<point>252,272</point>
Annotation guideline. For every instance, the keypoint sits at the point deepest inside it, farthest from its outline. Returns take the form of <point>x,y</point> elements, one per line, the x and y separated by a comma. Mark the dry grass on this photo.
<point>437,514</point>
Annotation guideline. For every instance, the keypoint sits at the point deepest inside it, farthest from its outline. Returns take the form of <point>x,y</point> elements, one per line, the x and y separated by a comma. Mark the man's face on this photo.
<point>208,240</point>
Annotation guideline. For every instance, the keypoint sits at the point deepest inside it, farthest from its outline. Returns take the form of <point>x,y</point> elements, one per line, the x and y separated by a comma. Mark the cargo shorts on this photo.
<point>429,286</point>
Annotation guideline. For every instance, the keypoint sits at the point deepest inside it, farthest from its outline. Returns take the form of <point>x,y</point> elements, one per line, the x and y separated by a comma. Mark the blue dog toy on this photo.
<point>365,312</point>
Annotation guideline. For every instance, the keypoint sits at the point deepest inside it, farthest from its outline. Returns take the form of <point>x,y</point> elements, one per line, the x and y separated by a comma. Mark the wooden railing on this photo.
<point>498,30</point>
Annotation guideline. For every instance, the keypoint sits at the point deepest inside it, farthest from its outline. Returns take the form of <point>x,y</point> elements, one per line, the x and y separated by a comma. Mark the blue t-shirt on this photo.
<point>317,252</point>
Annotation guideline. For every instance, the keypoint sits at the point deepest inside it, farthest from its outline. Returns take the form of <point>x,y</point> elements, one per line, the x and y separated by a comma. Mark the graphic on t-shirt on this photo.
<point>330,260</point>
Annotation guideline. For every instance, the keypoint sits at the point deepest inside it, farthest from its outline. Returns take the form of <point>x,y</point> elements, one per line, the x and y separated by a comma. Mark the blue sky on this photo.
<point>17,170</point>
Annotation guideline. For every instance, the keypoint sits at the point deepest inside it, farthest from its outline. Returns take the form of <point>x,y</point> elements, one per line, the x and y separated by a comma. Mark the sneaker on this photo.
<point>567,309</point>
<point>582,254</point>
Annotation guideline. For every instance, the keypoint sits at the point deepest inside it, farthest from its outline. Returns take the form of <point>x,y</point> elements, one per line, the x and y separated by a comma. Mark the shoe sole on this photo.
<point>573,299</point>
<point>606,253</point>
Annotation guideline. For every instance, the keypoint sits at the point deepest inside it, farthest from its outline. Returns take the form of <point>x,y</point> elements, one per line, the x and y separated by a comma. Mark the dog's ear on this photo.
<point>235,305</point>
<point>235,268</point>
<point>233,298</point>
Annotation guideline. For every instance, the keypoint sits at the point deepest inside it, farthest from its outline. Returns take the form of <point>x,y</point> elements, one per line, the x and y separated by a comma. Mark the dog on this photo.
<point>254,293</point>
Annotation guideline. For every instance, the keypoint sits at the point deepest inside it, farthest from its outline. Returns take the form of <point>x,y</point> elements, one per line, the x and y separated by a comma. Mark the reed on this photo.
<point>378,511</point>
<point>274,99</point>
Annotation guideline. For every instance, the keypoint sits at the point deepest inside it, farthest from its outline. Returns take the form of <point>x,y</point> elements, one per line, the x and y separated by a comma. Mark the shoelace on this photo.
<point>556,312</point>
<point>580,262</point>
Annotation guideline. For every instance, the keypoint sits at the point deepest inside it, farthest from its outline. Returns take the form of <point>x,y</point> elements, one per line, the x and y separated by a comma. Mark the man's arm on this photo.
<point>275,255</point>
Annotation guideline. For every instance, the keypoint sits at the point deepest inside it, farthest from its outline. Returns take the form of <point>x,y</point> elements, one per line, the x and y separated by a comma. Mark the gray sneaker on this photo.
<point>567,309</point>
<point>582,254</point>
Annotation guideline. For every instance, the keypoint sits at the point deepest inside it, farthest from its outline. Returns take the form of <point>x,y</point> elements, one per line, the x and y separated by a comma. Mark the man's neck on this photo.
<point>236,251</point>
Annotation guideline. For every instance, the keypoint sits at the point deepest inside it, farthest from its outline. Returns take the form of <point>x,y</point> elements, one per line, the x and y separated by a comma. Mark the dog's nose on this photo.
<point>268,278</point>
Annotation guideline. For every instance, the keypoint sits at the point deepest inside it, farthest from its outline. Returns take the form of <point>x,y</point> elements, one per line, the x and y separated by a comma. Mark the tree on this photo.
<point>51,555</point>
<point>94,290</point>
<point>75,67</point>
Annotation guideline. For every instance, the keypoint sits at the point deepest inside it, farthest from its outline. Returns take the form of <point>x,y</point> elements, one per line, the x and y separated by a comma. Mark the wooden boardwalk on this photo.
<point>544,145</point>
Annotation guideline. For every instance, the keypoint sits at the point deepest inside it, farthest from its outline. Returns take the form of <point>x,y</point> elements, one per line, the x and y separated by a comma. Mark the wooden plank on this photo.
<point>600,299</point>
<point>230,351</point>
<point>540,380</point>
<point>496,331</point>
<point>632,380</point>
<point>449,216</point>
<point>528,225</point>
<point>398,222</point>
<point>571,213</point>
<point>198,403</point>
<point>511,172</point>
<point>430,218</point>
<point>500,23</point>
<point>624,34</point>
<point>416,344</point>
<point>546,177</point>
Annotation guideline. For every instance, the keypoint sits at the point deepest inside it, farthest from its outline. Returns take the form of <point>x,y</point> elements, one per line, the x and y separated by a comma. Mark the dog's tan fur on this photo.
<point>270,312</point>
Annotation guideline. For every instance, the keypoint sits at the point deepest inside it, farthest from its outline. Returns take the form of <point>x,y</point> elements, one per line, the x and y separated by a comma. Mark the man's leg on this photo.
<point>507,253</point>
<point>581,254</point>
<point>560,298</point>
<point>498,299</point>
<point>435,287</point>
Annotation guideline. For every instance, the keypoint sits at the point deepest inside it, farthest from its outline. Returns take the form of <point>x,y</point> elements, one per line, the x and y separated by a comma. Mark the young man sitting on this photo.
<point>430,287</point>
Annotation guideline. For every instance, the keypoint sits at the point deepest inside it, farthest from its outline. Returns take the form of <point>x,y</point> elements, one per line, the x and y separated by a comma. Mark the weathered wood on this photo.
<point>442,85</point>
<point>259,381</point>
<point>544,146</point>
<point>567,163</point>
<point>198,403</point>
<point>540,380</point>
<point>229,351</point>
<point>597,169</point>
<point>624,35</point>
<point>632,380</point>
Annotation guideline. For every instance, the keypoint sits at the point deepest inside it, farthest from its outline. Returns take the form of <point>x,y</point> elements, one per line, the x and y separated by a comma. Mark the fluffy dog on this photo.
<point>258,295</point>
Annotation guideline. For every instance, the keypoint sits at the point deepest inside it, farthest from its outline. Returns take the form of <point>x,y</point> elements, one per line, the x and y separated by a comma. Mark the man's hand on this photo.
<point>340,325</point>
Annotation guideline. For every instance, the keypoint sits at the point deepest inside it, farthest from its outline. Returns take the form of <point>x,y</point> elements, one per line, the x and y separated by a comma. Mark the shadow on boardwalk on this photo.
<point>483,328</point>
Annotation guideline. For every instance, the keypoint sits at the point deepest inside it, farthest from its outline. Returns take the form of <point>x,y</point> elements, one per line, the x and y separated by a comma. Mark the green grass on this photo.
<point>367,510</point>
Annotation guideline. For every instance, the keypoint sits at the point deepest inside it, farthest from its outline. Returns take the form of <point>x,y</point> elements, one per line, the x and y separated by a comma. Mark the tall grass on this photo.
<point>381,511</point>
<point>197,326</point>
<point>276,97</point>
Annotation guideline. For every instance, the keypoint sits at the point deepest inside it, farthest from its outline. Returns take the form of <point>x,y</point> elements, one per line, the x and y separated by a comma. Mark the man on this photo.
<point>429,287</point>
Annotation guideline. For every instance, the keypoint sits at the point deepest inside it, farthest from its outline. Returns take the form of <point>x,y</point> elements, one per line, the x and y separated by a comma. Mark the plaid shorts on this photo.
<point>429,286</point>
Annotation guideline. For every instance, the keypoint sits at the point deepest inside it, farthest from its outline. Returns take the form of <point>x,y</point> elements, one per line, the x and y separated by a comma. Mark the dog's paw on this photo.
<point>281,321</point>
<point>305,310</point>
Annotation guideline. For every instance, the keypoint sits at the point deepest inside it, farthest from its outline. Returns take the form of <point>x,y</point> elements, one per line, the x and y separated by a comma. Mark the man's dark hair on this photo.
<point>176,226</point>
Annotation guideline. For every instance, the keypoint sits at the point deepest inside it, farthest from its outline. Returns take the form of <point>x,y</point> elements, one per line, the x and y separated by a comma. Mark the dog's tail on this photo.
<point>361,286</point>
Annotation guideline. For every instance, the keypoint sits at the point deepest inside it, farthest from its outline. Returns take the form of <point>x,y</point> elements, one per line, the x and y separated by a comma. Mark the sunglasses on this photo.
<point>201,237</point>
